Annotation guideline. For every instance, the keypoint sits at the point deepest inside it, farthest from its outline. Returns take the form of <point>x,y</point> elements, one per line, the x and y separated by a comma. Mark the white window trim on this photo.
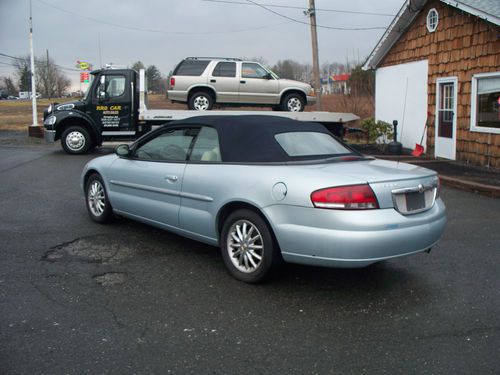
<point>473,105</point>
<point>431,30</point>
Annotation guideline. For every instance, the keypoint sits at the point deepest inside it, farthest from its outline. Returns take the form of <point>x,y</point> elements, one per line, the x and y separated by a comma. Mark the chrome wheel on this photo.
<point>96,198</point>
<point>75,141</point>
<point>245,246</point>
<point>294,105</point>
<point>201,103</point>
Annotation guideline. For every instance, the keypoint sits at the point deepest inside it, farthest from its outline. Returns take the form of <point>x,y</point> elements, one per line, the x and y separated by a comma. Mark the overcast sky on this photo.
<point>162,32</point>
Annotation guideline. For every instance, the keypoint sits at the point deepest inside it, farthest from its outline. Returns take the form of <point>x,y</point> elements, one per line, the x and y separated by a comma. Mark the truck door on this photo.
<point>112,104</point>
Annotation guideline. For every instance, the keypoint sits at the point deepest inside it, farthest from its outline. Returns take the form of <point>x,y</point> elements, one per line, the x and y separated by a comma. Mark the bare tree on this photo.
<point>47,73</point>
<point>62,83</point>
<point>9,86</point>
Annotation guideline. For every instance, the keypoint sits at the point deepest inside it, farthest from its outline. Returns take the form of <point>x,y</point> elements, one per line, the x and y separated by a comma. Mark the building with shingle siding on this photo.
<point>439,63</point>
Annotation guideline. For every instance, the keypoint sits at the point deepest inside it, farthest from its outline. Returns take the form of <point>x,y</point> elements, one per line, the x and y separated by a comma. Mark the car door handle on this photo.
<point>213,80</point>
<point>243,81</point>
<point>171,178</point>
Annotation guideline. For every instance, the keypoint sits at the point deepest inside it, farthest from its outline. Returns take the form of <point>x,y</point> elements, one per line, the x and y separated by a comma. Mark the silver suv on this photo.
<point>204,81</point>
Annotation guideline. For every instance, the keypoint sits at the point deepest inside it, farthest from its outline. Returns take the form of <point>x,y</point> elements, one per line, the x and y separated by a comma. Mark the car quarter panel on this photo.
<point>353,238</point>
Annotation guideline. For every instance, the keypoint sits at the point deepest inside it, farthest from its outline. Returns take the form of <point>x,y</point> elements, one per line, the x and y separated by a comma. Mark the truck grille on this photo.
<point>413,200</point>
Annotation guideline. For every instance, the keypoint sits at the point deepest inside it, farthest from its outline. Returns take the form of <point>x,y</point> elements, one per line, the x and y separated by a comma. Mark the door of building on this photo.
<point>446,118</point>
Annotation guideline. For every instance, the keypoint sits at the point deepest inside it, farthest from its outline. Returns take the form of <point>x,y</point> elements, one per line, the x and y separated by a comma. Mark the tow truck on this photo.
<point>114,108</point>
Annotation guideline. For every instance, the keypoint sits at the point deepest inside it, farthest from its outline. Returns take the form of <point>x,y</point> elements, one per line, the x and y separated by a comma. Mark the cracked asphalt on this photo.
<point>81,298</point>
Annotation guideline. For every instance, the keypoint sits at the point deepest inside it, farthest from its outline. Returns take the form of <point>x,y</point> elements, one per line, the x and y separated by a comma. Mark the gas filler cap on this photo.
<point>279,191</point>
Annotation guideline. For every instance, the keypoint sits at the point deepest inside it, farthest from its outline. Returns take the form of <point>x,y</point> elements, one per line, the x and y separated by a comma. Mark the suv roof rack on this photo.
<point>212,58</point>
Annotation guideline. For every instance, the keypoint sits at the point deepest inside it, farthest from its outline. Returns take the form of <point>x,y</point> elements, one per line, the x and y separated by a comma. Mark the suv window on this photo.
<point>252,70</point>
<point>225,69</point>
<point>191,68</point>
<point>172,145</point>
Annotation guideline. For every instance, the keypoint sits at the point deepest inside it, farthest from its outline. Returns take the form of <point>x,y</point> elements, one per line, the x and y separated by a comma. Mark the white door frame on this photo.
<point>446,147</point>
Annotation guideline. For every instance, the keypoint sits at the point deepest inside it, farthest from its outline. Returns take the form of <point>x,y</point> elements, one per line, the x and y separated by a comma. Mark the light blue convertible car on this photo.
<point>267,190</point>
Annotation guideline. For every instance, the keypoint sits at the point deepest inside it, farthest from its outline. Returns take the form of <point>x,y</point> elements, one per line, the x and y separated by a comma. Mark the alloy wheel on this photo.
<point>245,246</point>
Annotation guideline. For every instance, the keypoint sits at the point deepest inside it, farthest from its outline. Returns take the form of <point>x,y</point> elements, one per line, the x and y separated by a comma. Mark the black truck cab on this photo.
<point>108,111</point>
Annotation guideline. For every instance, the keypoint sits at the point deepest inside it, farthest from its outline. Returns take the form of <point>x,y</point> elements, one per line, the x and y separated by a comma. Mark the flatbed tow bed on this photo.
<point>115,109</point>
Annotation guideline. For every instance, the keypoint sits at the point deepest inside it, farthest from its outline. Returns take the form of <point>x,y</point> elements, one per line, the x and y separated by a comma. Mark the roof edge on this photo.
<point>474,11</point>
<point>403,19</point>
<point>393,33</point>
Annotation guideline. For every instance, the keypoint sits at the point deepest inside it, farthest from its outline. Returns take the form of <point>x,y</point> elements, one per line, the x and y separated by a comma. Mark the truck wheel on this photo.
<point>201,101</point>
<point>293,103</point>
<point>76,140</point>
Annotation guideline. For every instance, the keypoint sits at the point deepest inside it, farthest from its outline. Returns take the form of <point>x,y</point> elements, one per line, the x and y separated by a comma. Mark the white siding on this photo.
<point>390,92</point>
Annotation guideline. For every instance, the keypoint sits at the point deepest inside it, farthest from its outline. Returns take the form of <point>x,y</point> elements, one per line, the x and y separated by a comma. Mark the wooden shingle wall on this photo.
<point>461,46</point>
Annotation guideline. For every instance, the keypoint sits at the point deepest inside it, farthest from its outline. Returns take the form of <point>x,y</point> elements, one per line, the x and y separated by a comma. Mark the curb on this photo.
<point>474,187</point>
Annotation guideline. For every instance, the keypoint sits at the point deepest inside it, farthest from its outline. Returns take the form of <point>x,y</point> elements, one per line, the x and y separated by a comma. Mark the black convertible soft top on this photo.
<point>250,138</point>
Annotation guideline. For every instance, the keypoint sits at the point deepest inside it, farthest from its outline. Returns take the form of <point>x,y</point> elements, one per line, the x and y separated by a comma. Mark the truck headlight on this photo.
<point>51,120</point>
<point>65,107</point>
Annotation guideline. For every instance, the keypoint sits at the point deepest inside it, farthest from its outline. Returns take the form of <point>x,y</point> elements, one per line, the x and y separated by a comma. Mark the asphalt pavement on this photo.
<point>81,298</point>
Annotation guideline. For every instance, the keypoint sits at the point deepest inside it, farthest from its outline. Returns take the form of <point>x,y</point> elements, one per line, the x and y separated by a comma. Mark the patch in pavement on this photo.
<point>95,249</point>
<point>110,278</point>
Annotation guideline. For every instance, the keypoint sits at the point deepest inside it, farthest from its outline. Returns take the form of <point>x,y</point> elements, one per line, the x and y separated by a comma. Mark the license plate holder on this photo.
<point>415,201</point>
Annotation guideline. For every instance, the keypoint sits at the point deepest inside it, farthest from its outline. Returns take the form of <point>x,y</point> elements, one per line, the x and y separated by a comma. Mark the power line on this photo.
<point>302,8</point>
<point>133,28</point>
<point>21,59</point>
<point>322,26</point>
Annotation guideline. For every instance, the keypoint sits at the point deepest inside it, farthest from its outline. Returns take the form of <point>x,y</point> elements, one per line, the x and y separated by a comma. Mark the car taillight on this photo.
<point>172,82</point>
<point>352,197</point>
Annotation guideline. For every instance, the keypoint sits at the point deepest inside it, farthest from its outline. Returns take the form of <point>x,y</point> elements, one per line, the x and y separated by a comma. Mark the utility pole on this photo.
<point>49,78</point>
<point>314,38</point>
<point>33,83</point>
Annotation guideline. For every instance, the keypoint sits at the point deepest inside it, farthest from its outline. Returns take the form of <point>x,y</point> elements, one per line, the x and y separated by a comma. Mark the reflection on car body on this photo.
<point>267,190</point>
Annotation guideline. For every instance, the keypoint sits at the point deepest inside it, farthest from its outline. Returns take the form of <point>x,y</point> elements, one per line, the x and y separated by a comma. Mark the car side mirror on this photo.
<point>122,150</point>
<point>268,76</point>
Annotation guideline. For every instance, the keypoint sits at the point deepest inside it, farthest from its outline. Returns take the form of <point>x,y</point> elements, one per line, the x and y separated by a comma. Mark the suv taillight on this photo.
<point>352,197</point>
<point>172,82</point>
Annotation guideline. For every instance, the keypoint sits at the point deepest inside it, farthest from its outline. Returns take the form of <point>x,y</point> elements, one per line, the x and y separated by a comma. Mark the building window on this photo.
<point>432,20</point>
<point>485,103</point>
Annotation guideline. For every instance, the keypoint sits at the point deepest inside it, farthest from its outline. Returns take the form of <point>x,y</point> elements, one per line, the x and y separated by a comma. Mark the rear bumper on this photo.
<point>179,96</point>
<point>351,239</point>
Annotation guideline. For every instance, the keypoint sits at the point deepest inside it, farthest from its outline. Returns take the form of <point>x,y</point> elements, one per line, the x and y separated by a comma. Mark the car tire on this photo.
<point>96,199</point>
<point>293,103</point>
<point>201,101</point>
<point>76,140</point>
<point>245,238</point>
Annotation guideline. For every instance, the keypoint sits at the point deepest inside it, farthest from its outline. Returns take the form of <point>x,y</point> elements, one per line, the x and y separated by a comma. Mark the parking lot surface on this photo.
<point>77,297</point>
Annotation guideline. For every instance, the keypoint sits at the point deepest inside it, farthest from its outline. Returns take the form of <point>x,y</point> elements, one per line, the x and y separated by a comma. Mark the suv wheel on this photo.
<point>293,103</point>
<point>201,101</point>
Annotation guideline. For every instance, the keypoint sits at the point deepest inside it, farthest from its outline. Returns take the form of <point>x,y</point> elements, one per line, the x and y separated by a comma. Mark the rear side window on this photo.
<point>309,144</point>
<point>206,147</point>
<point>191,68</point>
<point>225,69</point>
